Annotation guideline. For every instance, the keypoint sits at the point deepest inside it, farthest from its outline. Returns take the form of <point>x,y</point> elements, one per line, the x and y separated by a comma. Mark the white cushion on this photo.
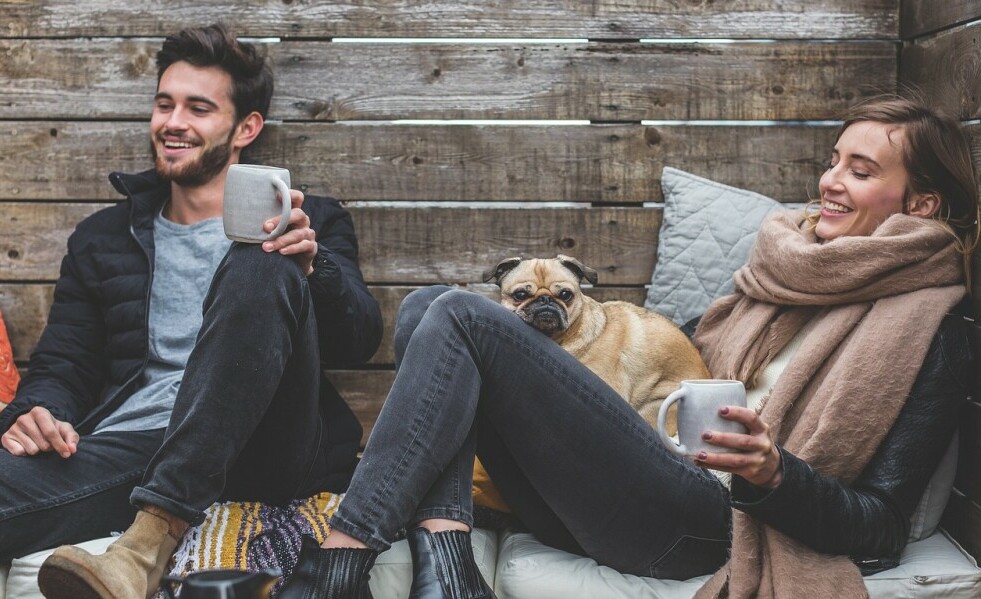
<point>934,567</point>
<point>526,569</point>
<point>22,580</point>
<point>390,577</point>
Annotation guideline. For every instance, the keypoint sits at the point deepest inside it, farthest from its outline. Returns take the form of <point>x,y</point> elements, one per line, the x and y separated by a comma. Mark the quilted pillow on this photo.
<point>706,234</point>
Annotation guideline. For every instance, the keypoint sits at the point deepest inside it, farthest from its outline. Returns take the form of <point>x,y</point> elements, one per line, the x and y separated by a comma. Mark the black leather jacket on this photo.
<point>869,519</point>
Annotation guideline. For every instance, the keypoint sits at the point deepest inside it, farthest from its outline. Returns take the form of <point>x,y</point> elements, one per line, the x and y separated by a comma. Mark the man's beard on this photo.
<point>198,172</point>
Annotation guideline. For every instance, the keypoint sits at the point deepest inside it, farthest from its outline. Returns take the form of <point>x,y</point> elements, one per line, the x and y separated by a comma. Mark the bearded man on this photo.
<point>178,368</point>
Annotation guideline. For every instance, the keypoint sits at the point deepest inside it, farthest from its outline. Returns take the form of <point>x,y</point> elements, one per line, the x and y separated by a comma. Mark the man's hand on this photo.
<point>299,241</point>
<point>38,431</point>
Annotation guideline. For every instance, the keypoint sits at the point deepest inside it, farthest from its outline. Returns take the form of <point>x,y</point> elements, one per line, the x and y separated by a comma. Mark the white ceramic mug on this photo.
<point>253,194</point>
<point>698,411</point>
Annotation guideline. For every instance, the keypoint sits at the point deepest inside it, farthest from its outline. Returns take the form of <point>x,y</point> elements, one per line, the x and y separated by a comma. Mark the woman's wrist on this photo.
<point>777,477</point>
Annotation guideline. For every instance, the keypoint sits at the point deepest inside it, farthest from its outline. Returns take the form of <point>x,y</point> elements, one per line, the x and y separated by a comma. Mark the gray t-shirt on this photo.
<point>185,261</point>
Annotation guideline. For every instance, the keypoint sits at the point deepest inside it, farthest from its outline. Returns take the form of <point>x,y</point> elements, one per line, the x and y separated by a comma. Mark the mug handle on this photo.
<point>284,220</point>
<point>662,415</point>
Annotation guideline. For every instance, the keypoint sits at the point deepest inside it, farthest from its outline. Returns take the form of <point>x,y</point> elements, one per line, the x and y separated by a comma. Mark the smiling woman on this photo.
<point>867,182</point>
<point>892,156</point>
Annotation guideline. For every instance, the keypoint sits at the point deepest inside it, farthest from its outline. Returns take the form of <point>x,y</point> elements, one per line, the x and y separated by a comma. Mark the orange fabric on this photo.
<point>9,377</point>
<point>484,491</point>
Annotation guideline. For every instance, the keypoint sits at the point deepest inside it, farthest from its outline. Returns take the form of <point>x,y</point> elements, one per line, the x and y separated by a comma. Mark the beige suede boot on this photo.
<point>130,568</point>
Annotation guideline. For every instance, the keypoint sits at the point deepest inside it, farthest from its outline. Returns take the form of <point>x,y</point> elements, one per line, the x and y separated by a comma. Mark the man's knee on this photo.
<point>249,261</point>
<point>251,274</point>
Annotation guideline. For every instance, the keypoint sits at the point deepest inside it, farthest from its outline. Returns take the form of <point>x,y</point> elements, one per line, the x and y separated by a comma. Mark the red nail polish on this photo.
<point>724,410</point>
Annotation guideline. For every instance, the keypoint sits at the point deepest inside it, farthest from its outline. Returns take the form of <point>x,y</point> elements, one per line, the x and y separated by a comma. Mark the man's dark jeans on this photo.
<point>246,424</point>
<point>573,460</point>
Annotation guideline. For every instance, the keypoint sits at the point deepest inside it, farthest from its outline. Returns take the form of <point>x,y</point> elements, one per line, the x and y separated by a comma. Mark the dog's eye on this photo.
<point>520,295</point>
<point>565,295</point>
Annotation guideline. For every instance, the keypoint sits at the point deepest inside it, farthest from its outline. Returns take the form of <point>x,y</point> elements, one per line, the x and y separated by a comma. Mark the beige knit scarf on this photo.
<point>878,301</point>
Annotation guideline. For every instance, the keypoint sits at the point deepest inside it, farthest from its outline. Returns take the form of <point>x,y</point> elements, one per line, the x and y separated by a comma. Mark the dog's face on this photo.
<point>545,293</point>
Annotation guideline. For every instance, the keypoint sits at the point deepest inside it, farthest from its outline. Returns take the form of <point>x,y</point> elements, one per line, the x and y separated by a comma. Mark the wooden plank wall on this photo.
<point>578,106</point>
<point>941,57</point>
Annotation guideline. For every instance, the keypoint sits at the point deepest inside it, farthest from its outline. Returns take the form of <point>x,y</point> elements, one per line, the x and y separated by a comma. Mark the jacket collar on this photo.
<point>146,193</point>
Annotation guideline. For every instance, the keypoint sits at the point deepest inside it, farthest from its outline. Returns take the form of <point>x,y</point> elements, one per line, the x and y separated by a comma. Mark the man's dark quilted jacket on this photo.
<point>94,346</point>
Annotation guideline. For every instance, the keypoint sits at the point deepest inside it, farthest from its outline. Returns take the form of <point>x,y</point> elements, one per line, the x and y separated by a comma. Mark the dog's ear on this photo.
<point>502,268</point>
<point>578,268</point>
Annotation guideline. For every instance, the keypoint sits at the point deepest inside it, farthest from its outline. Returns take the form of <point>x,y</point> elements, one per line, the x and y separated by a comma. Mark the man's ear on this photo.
<point>924,205</point>
<point>247,130</point>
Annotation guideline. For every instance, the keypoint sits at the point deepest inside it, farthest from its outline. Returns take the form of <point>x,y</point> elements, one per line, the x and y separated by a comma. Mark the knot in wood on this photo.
<point>652,136</point>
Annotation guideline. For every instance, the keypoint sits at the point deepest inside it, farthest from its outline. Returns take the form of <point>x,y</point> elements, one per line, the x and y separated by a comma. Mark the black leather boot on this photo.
<point>443,566</point>
<point>329,573</point>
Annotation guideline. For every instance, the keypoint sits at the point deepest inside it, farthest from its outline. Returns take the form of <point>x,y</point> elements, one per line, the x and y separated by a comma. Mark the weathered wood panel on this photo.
<point>919,17</point>
<point>962,519</point>
<point>947,66</point>
<point>25,312</point>
<point>593,163</point>
<point>425,245</point>
<point>25,308</point>
<point>401,245</point>
<point>462,18</point>
<point>364,391</point>
<point>33,238</point>
<point>112,78</point>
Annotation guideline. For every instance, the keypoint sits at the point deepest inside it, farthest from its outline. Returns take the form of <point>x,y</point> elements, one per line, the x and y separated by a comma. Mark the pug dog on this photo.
<point>642,355</point>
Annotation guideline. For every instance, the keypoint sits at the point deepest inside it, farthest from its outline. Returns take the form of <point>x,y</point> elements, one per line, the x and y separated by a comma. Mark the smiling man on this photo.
<point>178,368</point>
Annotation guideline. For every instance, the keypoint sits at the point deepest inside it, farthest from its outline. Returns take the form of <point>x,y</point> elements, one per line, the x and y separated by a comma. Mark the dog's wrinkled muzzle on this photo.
<point>547,316</point>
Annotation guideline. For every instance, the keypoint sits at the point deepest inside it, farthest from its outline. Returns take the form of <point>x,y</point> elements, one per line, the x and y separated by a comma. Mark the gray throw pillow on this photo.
<point>707,233</point>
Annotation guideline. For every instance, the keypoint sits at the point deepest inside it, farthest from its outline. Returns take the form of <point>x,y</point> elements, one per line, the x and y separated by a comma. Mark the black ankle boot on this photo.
<point>329,573</point>
<point>443,566</point>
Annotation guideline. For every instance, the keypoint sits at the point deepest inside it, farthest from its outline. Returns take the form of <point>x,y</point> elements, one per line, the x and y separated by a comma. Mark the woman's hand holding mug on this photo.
<point>716,430</point>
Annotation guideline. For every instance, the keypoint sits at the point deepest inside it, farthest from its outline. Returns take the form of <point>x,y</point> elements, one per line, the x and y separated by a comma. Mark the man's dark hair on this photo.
<point>215,46</point>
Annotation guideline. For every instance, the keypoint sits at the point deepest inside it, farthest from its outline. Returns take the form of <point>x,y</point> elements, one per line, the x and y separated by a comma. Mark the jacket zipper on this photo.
<point>146,317</point>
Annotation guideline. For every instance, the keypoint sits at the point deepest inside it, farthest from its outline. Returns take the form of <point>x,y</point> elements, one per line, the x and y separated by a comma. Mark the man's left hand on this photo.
<point>299,241</point>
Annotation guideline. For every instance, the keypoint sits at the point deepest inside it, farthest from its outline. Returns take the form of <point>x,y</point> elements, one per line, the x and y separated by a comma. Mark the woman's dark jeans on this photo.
<point>575,463</point>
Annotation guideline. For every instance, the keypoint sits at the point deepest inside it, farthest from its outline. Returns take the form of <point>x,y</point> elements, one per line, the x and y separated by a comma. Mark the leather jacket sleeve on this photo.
<point>869,519</point>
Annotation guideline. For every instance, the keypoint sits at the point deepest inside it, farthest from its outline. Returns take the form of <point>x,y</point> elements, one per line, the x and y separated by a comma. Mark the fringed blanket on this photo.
<point>253,536</point>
